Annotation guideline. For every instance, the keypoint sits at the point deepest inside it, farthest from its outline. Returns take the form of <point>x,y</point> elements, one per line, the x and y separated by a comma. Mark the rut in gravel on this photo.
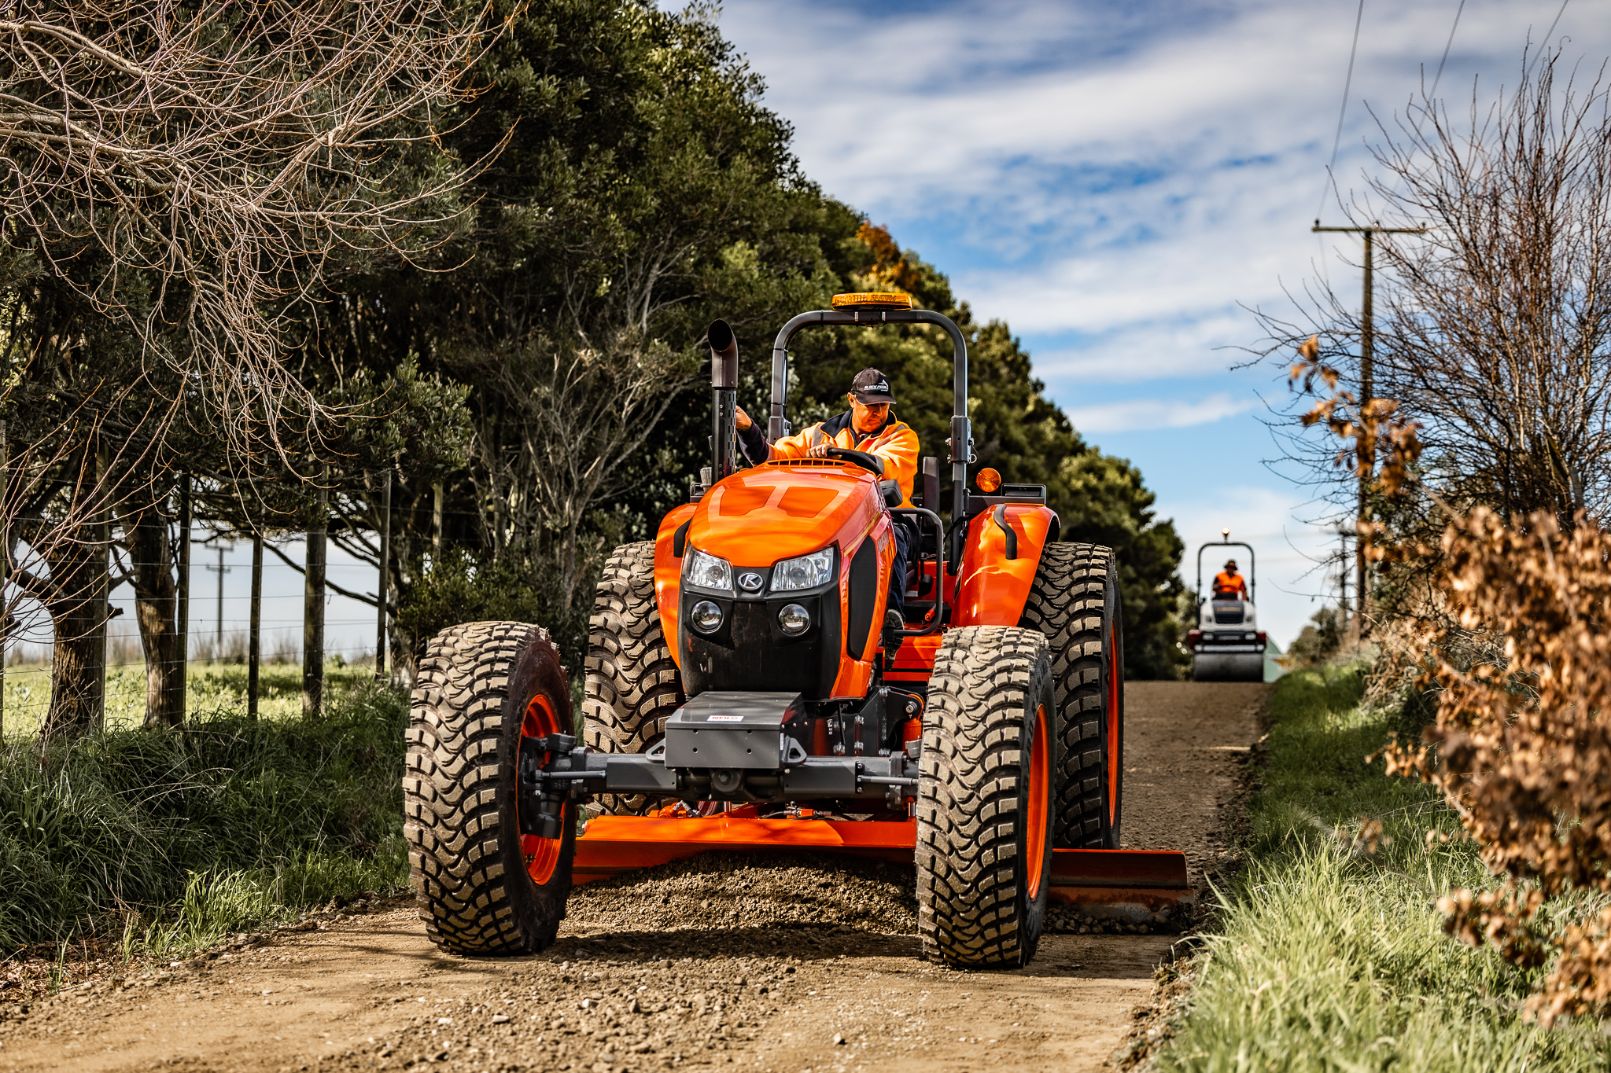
<point>742,963</point>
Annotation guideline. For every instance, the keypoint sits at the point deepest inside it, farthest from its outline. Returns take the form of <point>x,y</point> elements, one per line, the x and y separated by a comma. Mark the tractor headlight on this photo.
<point>706,616</point>
<point>794,620</point>
<point>805,572</point>
<point>705,571</point>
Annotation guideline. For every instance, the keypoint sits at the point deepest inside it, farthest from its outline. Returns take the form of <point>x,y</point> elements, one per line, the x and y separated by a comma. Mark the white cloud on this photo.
<point>1194,347</point>
<point>1110,166</point>
<point>1140,415</point>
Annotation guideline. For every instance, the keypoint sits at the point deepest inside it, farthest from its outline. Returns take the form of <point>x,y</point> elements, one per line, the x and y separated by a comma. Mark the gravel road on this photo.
<point>713,964</point>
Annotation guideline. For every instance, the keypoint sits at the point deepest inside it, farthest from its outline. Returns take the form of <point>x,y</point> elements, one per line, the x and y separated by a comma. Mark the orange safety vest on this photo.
<point>894,443</point>
<point>1229,585</point>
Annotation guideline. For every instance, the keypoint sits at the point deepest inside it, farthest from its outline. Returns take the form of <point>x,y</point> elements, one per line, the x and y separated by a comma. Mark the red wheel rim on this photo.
<point>1115,698</point>
<point>1038,814</point>
<point>541,854</point>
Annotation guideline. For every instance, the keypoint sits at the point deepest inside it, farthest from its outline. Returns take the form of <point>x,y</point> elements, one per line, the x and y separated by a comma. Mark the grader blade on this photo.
<point>1114,884</point>
<point>1135,885</point>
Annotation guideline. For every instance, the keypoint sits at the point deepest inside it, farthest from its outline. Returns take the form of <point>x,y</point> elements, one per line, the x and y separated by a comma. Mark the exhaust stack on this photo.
<point>724,391</point>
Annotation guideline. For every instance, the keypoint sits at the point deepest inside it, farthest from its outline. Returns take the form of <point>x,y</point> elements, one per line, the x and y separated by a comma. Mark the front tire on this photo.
<point>482,886</point>
<point>985,806</point>
<point>1075,602</point>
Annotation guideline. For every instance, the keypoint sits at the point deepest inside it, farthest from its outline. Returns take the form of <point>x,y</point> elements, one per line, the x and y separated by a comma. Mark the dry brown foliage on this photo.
<point>194,167</point>
<point>1376,437</point>
<point>1521,744</point>
<point>1514,643</point>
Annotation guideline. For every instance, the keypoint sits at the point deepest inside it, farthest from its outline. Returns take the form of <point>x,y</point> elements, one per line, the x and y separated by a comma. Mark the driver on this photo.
<point>870,426</point>
<point>1228,584</point>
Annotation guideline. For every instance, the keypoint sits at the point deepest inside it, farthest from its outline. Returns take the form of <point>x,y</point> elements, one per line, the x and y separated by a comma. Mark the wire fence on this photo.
<point>261,628</point>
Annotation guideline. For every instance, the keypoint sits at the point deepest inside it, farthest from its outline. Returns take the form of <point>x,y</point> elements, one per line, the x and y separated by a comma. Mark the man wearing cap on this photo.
<point>870,426</point>
<point>1228,584</point>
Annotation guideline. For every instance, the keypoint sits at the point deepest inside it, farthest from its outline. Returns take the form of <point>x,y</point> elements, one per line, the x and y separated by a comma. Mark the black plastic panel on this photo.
<point>863,600</point>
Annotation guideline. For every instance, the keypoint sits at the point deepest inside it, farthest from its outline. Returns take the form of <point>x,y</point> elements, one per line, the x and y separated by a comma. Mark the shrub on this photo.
<point>1521,741</point>
<point>135,824</point>
<point>461,587</point>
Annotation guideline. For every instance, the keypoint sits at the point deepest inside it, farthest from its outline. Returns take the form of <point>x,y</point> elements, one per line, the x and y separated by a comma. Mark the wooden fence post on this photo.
<point>254,632</point>
<point>184,598</point>
<point>313,607</point>
<point>382,649</point>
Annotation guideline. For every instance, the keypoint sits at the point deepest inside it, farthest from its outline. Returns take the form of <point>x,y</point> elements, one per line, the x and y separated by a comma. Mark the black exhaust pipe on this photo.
<point>724,389</point>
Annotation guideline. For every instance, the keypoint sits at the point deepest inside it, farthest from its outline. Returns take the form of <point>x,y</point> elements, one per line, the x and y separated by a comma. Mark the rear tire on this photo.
<point>482,886</point>
<point>1075,602</point>
<point>631,685</point>
<point>985,807</point>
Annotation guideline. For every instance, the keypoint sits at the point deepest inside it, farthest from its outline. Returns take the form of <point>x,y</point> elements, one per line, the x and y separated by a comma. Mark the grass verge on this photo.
<point>168,841</point>
<point>1328,952</point>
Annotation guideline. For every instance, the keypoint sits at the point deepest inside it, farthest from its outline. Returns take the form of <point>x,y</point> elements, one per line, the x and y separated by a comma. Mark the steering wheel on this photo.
<point>869,462</point>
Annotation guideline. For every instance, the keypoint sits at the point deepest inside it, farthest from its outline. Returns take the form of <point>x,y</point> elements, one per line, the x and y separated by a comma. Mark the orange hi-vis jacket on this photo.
<point>1229,586</point>
<point>895,444</point>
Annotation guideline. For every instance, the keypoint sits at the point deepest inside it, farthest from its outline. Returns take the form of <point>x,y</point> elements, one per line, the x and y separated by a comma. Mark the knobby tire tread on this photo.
<point>973,906</point>
<point>458,790</point>
<point>1069,602</point>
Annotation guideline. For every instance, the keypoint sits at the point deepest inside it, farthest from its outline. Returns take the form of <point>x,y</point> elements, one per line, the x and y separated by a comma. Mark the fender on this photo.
<point>668,572</point>
<point>991,588</point>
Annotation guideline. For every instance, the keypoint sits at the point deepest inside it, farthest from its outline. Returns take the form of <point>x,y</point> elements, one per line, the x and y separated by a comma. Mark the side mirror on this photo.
<point>892,493</point>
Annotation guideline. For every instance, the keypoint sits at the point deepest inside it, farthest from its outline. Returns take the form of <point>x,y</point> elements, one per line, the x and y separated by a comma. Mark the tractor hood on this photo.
<point>760,516</point>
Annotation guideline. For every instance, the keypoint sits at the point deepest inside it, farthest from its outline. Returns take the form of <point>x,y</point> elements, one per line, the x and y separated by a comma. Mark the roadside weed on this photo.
<point>1328,953</point>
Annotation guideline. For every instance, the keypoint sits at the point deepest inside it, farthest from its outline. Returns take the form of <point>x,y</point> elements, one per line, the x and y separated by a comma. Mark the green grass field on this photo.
<point>1328,953</point>
<point>212,688</point>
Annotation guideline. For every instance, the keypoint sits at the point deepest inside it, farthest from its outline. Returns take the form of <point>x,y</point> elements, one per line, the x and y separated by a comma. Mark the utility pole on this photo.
<point>218,625</point>
<point>1367,450</point>
<point>1342,576</point>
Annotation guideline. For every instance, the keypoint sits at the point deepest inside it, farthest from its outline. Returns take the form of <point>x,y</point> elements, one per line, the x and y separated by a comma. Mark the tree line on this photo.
<point>472,246</point>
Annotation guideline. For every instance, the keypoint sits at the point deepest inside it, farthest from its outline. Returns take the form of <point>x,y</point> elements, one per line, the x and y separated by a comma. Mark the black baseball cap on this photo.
<point>871,385</point>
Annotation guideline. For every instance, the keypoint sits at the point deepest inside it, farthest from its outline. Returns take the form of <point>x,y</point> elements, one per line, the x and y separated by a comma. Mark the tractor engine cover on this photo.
<point>727,730</point>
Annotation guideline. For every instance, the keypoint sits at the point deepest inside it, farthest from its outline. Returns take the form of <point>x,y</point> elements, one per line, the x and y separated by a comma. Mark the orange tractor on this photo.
<point>745,692</point>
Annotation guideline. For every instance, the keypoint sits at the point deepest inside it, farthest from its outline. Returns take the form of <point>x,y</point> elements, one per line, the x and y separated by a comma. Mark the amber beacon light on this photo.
<point>873,300</point>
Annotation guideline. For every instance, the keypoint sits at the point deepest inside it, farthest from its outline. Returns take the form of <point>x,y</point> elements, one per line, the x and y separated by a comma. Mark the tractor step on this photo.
<point>1118,884</point>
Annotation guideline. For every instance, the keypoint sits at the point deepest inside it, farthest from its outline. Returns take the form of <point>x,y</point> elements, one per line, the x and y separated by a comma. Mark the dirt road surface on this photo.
<point>706,965</point>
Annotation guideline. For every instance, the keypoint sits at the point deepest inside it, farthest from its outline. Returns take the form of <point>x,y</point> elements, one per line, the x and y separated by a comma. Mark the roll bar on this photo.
<point>1252,566</point>
<point>961,441</point>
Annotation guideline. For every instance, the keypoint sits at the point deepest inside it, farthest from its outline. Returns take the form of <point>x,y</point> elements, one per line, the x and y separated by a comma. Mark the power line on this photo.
<point>1342,111</point>
<point>1446,46</point>
<point>1544,44</point>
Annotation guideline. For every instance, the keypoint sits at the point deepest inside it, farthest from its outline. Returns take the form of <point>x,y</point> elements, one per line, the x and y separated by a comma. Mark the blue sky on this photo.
<point>1117,181</point>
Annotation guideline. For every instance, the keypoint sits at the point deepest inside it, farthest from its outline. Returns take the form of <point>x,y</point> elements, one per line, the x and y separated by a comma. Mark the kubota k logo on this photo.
<point>749,581</point>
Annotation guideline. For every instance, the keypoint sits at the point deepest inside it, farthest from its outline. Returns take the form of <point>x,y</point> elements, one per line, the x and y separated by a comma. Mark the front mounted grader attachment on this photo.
<point>1131,885</point>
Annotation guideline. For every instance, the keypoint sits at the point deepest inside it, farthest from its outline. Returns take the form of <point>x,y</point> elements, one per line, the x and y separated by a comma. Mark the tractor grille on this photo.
<point>1229,612</point>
